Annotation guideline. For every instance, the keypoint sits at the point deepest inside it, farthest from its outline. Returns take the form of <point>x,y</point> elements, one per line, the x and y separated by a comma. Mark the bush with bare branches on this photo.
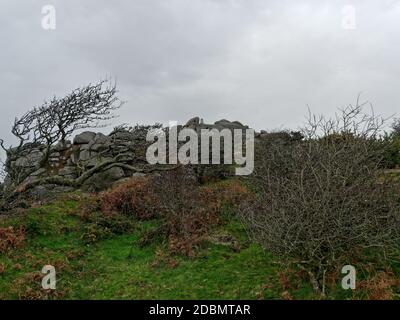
<point>323,200</point>
<point>55,120</point>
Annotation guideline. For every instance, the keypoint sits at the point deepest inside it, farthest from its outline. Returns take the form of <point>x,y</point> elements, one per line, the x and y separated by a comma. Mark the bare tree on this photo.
<point>84,107</point>
<point>54,121</point>
<point>323,200</point>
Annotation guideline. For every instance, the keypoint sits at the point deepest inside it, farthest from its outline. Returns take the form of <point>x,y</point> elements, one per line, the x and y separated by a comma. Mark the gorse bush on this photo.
<point>322,201</point>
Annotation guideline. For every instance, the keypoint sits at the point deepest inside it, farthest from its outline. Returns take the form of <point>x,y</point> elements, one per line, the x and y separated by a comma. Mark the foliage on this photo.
<point>187,209</point>
<point>134,197</point>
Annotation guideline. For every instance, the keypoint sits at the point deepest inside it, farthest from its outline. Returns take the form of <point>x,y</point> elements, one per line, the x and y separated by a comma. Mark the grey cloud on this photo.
<point>261,62</point>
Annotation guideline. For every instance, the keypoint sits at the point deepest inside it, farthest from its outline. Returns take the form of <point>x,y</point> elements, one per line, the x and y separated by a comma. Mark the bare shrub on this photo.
<point>187,210</point>
<point>322,200</point>
<point>190,210</point>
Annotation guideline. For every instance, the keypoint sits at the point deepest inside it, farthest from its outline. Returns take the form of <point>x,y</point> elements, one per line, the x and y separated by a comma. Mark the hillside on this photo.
<point>198,211</point>
<point>117,259</point>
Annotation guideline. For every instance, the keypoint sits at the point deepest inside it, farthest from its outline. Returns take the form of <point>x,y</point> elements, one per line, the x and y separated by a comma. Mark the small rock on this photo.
<point>68,171</point>
<point>84,155</point>
<point>84,137</point>
<point>103,180</point>
<point>30,160</point>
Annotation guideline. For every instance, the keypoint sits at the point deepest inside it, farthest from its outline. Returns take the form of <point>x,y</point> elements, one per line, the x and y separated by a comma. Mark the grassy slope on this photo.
<point>119,268</point>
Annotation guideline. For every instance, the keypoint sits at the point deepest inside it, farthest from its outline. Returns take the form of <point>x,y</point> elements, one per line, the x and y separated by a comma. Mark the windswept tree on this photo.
<point>85,107</point>
<point>55,120</point>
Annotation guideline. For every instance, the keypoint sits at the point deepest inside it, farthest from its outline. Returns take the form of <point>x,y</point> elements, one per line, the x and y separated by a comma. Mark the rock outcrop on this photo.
<point>94,161</point>
<point>71,161</point>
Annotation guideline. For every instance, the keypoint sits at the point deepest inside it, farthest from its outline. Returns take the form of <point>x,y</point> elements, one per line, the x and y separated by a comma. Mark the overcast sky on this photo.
<point>261,62</point>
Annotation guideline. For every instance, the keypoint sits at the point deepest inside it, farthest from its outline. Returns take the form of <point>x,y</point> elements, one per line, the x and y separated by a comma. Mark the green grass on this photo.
<point>117,266</point>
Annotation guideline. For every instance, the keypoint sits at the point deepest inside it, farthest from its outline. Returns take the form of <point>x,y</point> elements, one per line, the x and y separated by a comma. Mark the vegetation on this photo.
<point>112,256</point>
<point>322,201</point>
<point>58,119</point>
<point>317,200</point>
<point>96,258</point>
